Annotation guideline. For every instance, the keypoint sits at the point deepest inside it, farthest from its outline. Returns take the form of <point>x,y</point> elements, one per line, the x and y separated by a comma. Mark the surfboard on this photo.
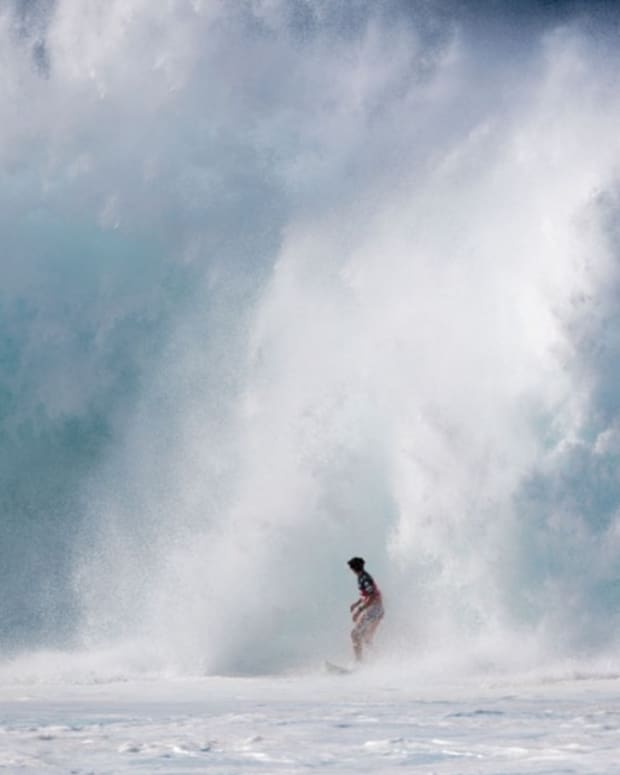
<point>330,667</point>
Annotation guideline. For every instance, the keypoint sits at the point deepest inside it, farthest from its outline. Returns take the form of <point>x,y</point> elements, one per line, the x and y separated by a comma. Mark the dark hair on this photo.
<point>356,563</point>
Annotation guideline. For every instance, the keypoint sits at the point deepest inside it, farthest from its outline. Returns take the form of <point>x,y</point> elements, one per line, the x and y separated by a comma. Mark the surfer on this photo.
<point>367,611</point>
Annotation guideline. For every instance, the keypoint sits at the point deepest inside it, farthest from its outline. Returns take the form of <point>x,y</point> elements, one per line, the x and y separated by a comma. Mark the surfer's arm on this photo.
<point>361,605</point>
<point>365,602</point>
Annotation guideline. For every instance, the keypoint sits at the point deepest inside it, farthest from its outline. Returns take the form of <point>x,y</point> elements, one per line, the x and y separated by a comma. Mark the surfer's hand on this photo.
<point>353,606</point>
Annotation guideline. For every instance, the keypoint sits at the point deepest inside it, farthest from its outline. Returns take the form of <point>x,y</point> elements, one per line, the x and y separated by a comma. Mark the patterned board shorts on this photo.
<point>367,620</point>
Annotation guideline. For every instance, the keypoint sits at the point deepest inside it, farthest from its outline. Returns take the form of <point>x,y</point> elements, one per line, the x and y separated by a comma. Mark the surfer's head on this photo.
<point>356,564</point>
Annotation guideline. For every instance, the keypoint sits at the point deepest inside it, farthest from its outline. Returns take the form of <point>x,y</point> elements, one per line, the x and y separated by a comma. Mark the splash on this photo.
<point>289,282</point>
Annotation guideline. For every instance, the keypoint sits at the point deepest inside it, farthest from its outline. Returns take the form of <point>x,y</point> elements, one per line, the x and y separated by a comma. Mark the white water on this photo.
<point>305,724</point>
<point>407,376</point>
<point>285,283</point>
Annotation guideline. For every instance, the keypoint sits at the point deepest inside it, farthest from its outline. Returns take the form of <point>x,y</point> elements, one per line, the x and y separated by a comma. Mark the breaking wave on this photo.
<point>288,281</point>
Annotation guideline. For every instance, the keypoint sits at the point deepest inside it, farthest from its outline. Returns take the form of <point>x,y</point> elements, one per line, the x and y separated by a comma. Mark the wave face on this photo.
<point>285,282</point>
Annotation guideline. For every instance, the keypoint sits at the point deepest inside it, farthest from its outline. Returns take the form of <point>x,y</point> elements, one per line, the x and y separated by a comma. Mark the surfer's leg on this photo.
<point>371,622</point>
<point>356,637</point>
<point>370,631</point>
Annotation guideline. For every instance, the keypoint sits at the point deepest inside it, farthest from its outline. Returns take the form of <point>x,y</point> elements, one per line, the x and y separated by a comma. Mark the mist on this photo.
<point>287,282</point>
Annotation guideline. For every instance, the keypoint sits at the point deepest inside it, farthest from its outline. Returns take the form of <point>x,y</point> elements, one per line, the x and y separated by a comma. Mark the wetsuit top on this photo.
<point>367,587</point>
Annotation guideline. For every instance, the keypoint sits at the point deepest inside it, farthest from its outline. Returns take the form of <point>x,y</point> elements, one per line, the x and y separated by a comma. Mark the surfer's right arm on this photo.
<point>357,608</point>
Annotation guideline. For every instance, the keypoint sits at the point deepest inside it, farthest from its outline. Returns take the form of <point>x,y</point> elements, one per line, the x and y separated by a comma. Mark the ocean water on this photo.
<point>285,282</point>
<point>304,724</point>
